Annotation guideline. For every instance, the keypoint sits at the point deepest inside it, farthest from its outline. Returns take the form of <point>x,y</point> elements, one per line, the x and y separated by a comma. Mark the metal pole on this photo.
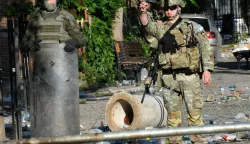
<point>2,128</point>
<point>16,113</point>
<point>136,134</point>
<point>232,12</point>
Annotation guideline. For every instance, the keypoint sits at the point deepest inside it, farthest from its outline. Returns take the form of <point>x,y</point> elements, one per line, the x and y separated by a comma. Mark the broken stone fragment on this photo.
<point>82,101</point>
<point>210,98</point>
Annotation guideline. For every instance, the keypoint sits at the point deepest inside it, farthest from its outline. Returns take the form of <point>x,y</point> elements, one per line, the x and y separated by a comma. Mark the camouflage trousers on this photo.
<point>185,88</point>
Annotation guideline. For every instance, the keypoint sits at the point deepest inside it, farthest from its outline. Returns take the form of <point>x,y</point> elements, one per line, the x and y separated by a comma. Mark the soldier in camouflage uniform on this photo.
<point>49,23</point>
<point>185,52</point>
<point>51,40</point>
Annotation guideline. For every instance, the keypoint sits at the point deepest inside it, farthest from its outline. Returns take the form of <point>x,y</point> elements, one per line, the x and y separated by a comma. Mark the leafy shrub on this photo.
<point>100,65</point>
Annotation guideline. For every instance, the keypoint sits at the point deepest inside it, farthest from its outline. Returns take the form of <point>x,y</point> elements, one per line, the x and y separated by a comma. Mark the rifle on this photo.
<point>152,75</point>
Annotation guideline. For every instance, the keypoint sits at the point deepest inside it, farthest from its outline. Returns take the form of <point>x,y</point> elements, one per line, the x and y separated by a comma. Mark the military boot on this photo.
<point>198,139</point>
<point>175,140</point>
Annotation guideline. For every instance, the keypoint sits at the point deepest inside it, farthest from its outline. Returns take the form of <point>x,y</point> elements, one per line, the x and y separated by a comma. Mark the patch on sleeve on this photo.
<point>199,28</point>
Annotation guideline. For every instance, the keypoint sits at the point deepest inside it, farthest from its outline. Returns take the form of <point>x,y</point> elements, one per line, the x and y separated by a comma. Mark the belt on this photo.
<point>185,71</point>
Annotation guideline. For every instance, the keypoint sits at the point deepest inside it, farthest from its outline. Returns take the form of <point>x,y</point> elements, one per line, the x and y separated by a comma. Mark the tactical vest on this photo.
<point>51,30</point>
<point>186,55</point>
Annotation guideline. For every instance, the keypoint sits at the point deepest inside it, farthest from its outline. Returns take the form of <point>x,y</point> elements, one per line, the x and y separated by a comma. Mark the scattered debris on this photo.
<point>221,138</point>
<point>241,116</point>
<point>243,135</point>
<point>126,82</point>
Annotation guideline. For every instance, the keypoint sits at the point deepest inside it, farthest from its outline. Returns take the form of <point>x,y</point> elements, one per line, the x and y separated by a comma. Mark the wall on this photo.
<point>4,54</point>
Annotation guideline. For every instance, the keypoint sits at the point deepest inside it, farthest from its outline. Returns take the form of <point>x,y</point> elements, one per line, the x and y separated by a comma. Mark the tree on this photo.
<point>100,65</point>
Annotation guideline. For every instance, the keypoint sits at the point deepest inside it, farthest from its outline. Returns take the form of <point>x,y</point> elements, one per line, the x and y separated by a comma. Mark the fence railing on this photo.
<point>136,134</point>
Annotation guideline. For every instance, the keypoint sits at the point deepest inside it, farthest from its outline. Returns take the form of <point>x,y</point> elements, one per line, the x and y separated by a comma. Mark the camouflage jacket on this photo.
<point>192,32</point>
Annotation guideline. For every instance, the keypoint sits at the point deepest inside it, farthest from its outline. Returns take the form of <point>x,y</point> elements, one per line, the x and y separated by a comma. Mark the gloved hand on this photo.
<point>33,45</point>
<point>71,45</point>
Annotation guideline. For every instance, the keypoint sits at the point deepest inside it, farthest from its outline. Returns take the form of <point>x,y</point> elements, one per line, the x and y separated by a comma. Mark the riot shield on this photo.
<point>54,91</point>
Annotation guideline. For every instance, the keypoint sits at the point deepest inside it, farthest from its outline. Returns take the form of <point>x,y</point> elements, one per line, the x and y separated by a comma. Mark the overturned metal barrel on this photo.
<point>126,112</point>
<point>54,94</point>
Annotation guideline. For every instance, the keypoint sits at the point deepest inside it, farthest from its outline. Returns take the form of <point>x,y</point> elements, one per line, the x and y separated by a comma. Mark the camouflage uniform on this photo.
<point>179,71</point>
<point>153,42</point>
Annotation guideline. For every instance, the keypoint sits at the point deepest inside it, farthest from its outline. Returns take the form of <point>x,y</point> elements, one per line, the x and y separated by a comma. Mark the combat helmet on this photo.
<point>40,2</point>
<point>180,3</point>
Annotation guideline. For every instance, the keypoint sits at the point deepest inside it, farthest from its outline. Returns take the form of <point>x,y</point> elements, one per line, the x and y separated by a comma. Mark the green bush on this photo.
<point>100,65</point>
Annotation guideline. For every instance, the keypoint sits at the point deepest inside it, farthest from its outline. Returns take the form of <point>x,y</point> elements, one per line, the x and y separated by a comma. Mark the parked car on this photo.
<point>212,32</point>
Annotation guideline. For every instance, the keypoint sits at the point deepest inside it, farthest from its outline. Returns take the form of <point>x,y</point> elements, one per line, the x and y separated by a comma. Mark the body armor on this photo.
<point>51,30</point>
<point>186,54</point>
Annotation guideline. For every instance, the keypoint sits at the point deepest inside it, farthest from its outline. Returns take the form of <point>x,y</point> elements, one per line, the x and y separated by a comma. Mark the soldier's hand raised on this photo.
<point>144,6</point>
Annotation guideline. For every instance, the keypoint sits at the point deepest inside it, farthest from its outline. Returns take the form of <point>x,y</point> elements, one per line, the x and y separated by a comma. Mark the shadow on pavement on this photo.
<point>233,65</point>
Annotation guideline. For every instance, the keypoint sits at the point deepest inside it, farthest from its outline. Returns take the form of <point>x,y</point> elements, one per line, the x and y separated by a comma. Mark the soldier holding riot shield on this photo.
<point>52,39</point>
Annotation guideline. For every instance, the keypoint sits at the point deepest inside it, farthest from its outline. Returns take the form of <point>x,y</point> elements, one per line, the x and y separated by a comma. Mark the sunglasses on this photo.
<point>171,7</point>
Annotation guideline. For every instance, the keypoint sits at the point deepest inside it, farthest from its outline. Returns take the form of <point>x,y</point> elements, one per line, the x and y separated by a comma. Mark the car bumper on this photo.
<point>216,51</point>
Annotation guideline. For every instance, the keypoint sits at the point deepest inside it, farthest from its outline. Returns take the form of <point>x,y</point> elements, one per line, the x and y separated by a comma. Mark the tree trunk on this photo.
<point>118,25</point>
